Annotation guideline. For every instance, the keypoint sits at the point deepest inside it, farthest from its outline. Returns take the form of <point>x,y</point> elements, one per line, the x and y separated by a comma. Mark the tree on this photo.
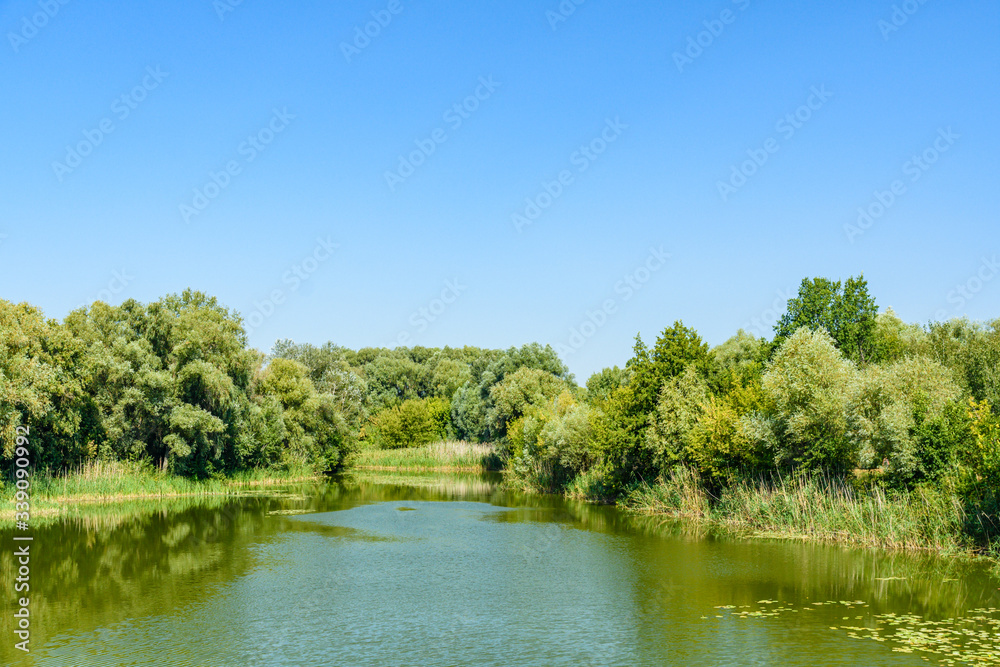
<point>40,387</point>
<point>620,428</point>
<point>315,432</point>
<point>518,391</point>
<point>738,361</point>
<point>472,402</point>
<point>847,312</point>
<point>807,384</point>
<point>888,403</point>
<point>331,374</point>
<point>894,339</point>
<point>412,423</point>
<point>601,385</point>
<point>681,404</point>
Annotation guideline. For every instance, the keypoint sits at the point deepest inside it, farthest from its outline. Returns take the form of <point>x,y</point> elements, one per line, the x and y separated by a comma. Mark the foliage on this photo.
<point>984,452</point>
<point>887,403</point>
<point>807,381</point>
<point>517,393</point>
<point>738,361</point>
<point>681,404</point>
<point>412,423</point>
<point>620,426</point>
<point>860,399</point>
<point>846,311</point>
<point>720,445</point>
<point>601,385</point>
<point>472,402</point>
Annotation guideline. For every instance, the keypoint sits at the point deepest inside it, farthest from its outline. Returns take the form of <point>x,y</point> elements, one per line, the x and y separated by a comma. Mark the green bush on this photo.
<point>887,404</point>
<point>807,381</point>
<point>413,423</point>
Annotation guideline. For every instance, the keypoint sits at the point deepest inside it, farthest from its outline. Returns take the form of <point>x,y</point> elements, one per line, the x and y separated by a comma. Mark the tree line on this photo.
<point>841,388</point>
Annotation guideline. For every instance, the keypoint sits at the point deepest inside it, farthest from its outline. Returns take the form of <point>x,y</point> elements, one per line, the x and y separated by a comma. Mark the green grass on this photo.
<point>821,509</point>
<point>445,456</point>
<point>116,481</point>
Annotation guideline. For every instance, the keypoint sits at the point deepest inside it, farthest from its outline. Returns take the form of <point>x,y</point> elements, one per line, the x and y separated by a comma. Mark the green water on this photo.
<point>446,570</point>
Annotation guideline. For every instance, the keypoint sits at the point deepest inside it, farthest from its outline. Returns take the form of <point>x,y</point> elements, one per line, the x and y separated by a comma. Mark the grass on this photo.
<point>457,456</point>
<point>115,481</point>
<point>822,509</point>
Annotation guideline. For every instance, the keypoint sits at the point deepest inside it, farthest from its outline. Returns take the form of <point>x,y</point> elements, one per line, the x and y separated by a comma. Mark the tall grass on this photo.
<point>116,480</point>
<point>451,455</point>
<point>818,508</point>
<point>680,495</point>
<point>829,509</point>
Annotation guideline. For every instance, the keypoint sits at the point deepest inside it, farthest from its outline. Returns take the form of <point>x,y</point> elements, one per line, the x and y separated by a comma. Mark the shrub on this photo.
<point>888,402</point>
<point>807,381</point>
<point>413,423</point>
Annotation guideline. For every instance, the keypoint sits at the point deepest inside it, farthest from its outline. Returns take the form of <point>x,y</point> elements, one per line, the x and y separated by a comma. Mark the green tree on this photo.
<point>412,423</point>
<point>806,385</point>
<point>619,428</point>
<point>681,404</point>
<point>41,388</point>
<point>601,385</point>
<point>518,391</point>
<point>846,311</point>
<point>887,404</point>
<point>472,402</point>
<point>738,361</point>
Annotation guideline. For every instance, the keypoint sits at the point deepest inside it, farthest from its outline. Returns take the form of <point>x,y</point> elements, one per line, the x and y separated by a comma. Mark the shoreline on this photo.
<point>49,505</point>
<point>693,507</point>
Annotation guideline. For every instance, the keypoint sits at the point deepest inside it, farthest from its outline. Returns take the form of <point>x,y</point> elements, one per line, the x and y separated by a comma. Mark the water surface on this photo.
<point>446,570</point>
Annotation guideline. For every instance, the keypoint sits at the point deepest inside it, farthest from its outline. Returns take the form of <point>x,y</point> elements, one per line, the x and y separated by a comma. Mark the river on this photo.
<point>384,569</point>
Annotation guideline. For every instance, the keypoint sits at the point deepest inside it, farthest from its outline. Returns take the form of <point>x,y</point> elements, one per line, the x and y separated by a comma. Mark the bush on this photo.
<point>720,444</point>
<point>413,423</point>
<point>888,402</point>
<point>678,410</point>
<point>807,381</point>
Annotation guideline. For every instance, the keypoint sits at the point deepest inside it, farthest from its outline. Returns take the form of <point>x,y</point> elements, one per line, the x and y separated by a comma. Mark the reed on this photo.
<point>454,455</point>
<point>103,481</point>
<point>825,509</point>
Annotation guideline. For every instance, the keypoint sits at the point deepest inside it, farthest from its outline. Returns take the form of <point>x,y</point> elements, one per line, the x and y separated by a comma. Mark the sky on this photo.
<point>390,172</point>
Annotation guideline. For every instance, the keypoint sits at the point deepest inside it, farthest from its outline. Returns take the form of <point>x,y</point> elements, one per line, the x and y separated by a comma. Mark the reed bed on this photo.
<point>453,455</point>
<point>819,508</point>
<point>102,481</point>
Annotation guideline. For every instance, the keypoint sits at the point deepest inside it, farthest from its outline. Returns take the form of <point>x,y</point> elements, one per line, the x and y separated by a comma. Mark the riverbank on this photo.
<point>109,482</point>
<point>822,510</point>
<point>448,456</point>
<point>817,509</point>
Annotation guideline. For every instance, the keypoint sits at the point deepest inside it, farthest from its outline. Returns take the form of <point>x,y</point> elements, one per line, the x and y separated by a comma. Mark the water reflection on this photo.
<point>455,564</point>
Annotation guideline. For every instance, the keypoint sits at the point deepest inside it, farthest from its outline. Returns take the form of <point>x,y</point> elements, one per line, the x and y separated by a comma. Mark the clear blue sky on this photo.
<point>110,224</point>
